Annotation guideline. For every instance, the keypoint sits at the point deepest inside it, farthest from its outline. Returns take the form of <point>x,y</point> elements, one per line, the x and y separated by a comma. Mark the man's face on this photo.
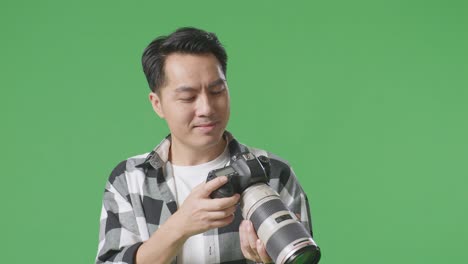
<point>194,100</point>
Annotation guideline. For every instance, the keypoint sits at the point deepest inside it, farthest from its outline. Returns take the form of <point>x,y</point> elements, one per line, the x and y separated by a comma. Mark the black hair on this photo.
<point>185,40</point>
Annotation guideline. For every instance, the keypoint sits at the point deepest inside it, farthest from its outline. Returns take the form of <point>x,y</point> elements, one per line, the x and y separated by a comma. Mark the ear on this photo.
<point>156,103</point>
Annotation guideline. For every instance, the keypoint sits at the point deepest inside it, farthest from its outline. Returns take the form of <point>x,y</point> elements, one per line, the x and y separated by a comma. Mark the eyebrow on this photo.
<point>216,83</point>
<point>183,88</point>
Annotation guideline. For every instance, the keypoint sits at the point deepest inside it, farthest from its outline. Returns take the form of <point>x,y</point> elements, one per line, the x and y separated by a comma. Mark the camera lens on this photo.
<point>305,255</point>
<point>286,240</point>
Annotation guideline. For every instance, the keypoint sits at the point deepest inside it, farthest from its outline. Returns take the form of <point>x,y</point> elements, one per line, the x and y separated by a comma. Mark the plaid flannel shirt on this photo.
<point>137,200</point>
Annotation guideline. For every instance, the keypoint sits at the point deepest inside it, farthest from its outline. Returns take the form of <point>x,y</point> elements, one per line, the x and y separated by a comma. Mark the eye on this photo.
<point>187,99</point>
<point>219,90</point>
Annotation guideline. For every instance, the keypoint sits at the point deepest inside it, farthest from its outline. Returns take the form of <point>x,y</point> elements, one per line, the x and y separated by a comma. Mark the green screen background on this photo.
<point>366,99</point>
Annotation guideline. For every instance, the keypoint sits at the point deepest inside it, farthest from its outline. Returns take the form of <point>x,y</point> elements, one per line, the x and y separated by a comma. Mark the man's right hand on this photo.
<point>200,212</point>
<point>197,214</point>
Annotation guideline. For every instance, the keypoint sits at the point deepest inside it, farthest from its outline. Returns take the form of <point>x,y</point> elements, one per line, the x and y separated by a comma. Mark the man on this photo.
<point>156,206</point>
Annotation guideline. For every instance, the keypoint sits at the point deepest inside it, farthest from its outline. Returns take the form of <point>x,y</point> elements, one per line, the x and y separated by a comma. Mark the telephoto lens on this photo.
<point>286,240</point>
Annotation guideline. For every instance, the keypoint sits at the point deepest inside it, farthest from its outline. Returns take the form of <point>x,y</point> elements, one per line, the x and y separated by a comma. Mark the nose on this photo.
<point>204,106</point>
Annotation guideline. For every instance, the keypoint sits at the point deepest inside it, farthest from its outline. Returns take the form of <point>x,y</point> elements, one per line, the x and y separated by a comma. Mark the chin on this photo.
<point>207,141</point>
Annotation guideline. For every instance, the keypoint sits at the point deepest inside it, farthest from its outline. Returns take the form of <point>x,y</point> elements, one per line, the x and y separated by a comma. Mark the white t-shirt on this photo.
<point>181,181</point>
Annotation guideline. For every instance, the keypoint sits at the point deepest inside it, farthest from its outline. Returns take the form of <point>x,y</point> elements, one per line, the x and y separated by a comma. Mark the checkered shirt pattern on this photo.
<point>137,200</point>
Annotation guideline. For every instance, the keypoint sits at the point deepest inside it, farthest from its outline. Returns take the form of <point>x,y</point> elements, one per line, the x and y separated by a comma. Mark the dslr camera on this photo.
<point>286,240</point>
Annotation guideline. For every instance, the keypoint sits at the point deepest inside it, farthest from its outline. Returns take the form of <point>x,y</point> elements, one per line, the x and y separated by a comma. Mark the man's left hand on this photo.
<point>252,247</point>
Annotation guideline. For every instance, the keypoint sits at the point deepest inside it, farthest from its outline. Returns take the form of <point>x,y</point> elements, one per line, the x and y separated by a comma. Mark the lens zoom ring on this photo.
<point>265,210</point>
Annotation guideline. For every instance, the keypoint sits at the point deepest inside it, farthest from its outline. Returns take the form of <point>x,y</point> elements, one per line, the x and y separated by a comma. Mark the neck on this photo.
<point>185,156</point>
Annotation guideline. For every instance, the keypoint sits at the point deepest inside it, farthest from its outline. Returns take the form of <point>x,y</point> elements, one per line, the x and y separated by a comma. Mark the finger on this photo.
<point>252,238</point>
<point>262,252</point>
<point>222,222</point>
<point>216,215</point>
<point>245,245</point>
<point>222,203</point>
<point>211,186</point>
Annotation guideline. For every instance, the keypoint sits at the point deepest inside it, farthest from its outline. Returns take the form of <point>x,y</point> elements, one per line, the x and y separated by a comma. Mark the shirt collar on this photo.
<point>160,154</point>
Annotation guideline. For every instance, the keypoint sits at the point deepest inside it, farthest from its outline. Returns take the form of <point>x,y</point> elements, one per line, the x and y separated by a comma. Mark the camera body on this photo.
<point>286,240</point>
<point>245,170</point>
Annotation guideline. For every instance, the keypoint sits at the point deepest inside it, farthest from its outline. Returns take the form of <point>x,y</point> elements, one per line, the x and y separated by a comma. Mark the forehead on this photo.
<point>191,69</point>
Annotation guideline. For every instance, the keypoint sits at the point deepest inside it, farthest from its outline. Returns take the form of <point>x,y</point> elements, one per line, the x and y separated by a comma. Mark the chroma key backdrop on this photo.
<point>367,100</point>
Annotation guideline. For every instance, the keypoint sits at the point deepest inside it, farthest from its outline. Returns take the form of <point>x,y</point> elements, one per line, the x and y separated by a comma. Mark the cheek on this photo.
<point>180,116</point>
<point>224,106</point>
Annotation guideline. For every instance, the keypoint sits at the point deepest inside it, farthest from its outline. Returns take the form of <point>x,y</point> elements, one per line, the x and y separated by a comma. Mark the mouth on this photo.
<point>206,127</point>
